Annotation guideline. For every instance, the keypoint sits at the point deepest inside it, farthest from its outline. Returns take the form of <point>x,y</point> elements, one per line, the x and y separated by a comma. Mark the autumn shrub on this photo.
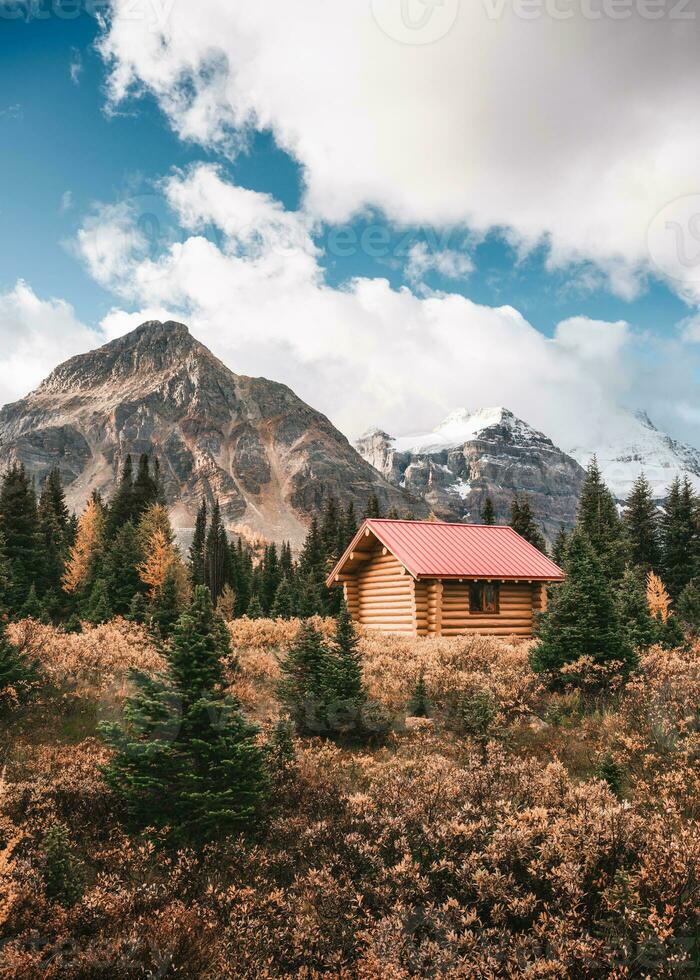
<point>432,854</point>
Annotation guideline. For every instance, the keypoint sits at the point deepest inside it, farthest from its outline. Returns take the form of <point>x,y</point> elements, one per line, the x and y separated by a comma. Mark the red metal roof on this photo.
<point>431,549</point>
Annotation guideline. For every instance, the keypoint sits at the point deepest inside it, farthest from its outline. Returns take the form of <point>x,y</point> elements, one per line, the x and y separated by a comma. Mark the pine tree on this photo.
<point>165,606</point>
<point>346,680</point>
<point>217,556</point>
<point>582,620</point>
<point>488,514</point>
<point>53,525</point>
<point>33,608</point>
<point>255,609</point>
<point>633,610</point>
<point>304,688</point>
<point>688,606</point>
<point>5,579</point>
<point>349,525</point>
<point>286,561</point>
<point>561,542</point>
<point>641,527</point>
<point>283,605</point>
<point>373,509</point>
<point>17,672</point>
<point>270,578</point>
<point>243,563</point>
<point>198,545</point>
<point>97,609</point>
<point>138,609</point>
<point>419,705</point>
<point>18,523</point>
<point>679,537</point>
<point>145,490</point>
<point>308,600</point>
<point>523,521</point>
<point>186,761</point>
<point>599,520</point>
<point>62,873</point>
<point>121,569</point>
<point>121,508</point>
<point>392,514</point>
<point>611,772</point>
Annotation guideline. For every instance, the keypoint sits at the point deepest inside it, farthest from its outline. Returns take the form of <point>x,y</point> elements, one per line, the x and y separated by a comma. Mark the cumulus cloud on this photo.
<point>568,129</point>
<point>36,334</point>
<point>364,353</point>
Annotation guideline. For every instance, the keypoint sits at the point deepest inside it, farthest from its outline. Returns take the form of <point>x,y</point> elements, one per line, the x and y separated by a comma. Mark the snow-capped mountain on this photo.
<point>474,454</point>
<point>636,446</point>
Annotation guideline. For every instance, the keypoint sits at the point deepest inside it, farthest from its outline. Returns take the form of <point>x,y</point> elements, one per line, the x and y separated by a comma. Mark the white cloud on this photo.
<point>66,201</point>
<point>36,335</point>
<point>76,65</point>
<point>573,130</point>
<point>448,262</point>
<point>365,353</point>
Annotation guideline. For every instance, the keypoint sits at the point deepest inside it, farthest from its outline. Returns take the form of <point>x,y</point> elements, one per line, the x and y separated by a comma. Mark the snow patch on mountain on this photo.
<point>636,446</point>
<point>462,426</point>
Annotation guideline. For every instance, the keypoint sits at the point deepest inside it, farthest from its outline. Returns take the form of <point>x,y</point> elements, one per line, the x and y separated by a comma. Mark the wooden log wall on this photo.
<point>515,616</point>
<point>385,596</point>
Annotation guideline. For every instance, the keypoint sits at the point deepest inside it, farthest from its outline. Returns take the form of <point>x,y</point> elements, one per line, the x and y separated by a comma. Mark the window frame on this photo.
<point>480,588</point>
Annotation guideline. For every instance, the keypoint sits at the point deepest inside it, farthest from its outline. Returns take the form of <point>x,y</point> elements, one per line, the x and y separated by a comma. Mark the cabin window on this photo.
<point>483,597</point>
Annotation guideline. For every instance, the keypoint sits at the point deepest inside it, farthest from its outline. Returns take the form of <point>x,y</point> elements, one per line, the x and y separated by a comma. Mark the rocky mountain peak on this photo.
<point>152,349</point>
<point>475,453</point>
<point>252,444</point>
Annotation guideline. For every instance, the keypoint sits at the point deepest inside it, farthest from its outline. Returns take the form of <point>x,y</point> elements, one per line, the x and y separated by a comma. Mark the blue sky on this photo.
<point>57,138</point>
<point>67,153</point>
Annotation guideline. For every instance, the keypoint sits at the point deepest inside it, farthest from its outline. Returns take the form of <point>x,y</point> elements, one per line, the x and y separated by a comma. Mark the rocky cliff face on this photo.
<point>472,455</point>
<point>266,455</point>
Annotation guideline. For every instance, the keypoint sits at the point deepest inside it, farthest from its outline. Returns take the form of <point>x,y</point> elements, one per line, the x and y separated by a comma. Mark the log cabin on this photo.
<point>427,578</point>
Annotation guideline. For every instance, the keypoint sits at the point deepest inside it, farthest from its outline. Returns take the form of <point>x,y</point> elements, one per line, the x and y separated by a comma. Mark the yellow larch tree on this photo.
<point>89,543</point>
<point>658,599</point>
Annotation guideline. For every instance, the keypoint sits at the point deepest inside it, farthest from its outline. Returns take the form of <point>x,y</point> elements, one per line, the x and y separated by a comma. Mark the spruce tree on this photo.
<point>138,609</point>
<point>641,527</point>
<point>97,609</point>
<point>186,761</point>
<point>216,555</point>
<point>121,569</point>
<point>488,514</point>
<point>373,510</point>
<point>679,537</point>
<point>62,873</point>
<point>560,545</point>
<point>145,490</point>
<point>121,508</point>
<point>17,672</point>
<point>346,678</point>
<point>598,518</point>
<point>255,609</point>
<point>688,606</point>
<point>419,705</point>
<point>349,525</point>
<point>5,579</point>
<point>582,619</point>
<point>32,608</point>
<point>304,688</point>
<point>283,605</point>
<point>197,548</point>
<point>270,578</point>
<point>53,526</point>
<point>637,622</point>
<point>18,523</point>
<point>165,607</point>
<point>523,521</point>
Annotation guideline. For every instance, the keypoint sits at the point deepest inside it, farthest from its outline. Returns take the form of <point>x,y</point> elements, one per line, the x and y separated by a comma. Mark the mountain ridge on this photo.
<point>267,456</point>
